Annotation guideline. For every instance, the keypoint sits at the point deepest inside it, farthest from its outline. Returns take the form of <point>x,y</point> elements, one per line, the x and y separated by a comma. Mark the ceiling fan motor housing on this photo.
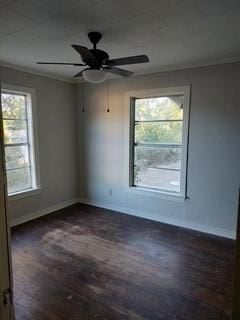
<point>100,56</point>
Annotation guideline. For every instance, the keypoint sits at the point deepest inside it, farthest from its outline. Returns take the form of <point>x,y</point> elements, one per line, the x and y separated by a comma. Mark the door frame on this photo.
<point>6,287</point>
<point>236,286</point>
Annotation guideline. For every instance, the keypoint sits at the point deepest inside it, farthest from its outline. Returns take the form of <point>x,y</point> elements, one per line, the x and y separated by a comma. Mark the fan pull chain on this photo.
<point>108,109</point>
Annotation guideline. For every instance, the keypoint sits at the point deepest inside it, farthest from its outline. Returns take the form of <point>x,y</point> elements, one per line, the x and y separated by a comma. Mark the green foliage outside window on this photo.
<point>16,141</point>
<point>168,132</point>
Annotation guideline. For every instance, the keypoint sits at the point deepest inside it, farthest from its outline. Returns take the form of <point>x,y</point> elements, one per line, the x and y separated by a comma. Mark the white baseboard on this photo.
<point>142,214</point>
<point>42,212</point>
<point>180,223</point>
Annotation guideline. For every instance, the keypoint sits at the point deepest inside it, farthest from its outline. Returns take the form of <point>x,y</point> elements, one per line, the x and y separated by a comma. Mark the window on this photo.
<point>20,155</point>
<point>158,140</point>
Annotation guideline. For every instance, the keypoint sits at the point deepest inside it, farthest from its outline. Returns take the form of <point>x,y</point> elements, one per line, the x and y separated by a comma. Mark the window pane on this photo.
<point>167,158</point>
<point>160,108</point>
<point>13,106</point>
<point>18,180</point>
<point>165,180</point>
<point>158,168</point>
<point>16,157</point>
<point>159,132</point>
<point>15,131</point>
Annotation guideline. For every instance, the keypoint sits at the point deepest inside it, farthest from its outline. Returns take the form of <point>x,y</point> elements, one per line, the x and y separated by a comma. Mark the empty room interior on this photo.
<point>121,146</point>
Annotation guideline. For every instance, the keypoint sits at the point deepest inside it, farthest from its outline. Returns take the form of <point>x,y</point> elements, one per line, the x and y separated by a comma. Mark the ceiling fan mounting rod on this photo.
<point>94,37</point>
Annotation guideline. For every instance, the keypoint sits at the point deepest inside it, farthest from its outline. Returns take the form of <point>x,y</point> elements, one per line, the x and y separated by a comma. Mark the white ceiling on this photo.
<point>173,33</point>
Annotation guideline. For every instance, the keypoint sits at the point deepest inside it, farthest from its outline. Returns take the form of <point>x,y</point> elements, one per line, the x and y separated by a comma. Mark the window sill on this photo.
<point>152,193</point>
<point>24,194</point>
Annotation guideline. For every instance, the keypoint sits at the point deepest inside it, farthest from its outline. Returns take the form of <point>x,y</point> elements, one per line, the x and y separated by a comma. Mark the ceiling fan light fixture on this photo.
<point>94,75</point>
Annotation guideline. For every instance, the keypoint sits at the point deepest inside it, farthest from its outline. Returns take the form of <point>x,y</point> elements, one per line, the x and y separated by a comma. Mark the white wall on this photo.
<point>56,121</point>
<point>214,149</point>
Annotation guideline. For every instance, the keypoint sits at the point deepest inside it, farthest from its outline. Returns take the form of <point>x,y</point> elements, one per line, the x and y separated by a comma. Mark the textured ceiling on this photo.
<point>173,33</point>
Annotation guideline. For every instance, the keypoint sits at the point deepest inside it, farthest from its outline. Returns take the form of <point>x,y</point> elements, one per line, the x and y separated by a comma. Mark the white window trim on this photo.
<point>158,92</point>
<point>33,137</point>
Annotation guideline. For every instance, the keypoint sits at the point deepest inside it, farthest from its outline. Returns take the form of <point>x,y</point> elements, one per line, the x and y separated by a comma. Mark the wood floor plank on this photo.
<point>85,263</point>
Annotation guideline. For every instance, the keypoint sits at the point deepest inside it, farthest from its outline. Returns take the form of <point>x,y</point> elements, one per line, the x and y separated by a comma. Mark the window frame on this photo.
<point>30,95</point>
<point>130,98</point>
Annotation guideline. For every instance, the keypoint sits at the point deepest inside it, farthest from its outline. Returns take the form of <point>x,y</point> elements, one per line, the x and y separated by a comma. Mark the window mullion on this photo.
<point>17,168</point>
<point>16,144</point>
<point>11,119</point>
<point>158,145</point>
<point>165,168</point>
<point>156,121</point>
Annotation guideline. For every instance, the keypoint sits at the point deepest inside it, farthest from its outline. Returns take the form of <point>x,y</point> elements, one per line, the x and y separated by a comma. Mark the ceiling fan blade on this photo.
<point>127,60</point>
<point>79,74</point>
<point>85,54</point>
<point>62,63</point>
<point>118,71</point>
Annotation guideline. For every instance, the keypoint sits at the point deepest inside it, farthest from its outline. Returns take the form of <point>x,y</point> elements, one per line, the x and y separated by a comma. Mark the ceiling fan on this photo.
<point>98,63</point>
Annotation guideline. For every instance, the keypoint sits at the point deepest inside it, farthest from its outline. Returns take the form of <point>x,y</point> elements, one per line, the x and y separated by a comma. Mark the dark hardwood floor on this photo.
<point>86,263</point>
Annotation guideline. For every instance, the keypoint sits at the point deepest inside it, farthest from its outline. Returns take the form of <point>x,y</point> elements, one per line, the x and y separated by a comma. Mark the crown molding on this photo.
<point>193,65</point>
<point>34,72</point>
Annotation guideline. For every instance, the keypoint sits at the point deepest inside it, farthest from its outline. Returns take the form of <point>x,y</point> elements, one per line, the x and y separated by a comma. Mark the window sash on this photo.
<point>31,166</point>
<point>130,125</point>
<point>135,144</point>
